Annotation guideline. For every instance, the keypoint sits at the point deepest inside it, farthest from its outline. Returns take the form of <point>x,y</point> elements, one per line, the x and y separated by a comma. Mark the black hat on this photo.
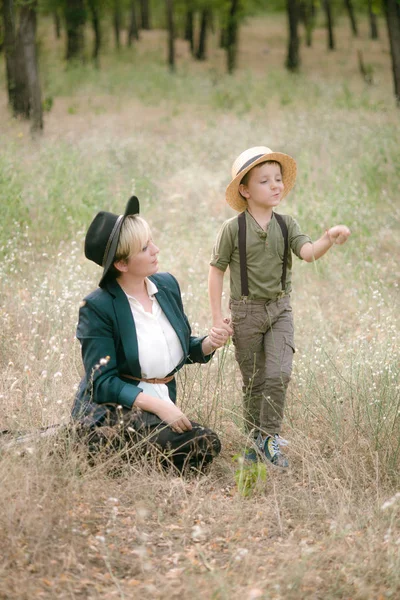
<point>102,237</point>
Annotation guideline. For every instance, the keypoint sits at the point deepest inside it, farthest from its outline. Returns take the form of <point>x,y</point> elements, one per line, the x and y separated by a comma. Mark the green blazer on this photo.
<point>106,330</point>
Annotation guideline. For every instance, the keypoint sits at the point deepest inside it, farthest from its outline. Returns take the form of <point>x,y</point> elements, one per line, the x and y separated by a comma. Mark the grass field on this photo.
<point>330,527</point>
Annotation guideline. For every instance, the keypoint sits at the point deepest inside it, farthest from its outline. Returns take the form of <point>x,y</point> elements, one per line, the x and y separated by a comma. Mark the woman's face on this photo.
<point>141,265</point>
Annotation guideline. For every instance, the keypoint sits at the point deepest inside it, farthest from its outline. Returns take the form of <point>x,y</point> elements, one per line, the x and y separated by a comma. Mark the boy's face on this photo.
<point>264,187</point>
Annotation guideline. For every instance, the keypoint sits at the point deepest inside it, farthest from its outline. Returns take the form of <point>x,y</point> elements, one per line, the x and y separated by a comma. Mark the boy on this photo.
<point>257,247</point>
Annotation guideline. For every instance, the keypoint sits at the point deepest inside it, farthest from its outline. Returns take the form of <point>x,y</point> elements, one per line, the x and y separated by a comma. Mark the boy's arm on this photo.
<point>215,286</point>
<point>335,235</point>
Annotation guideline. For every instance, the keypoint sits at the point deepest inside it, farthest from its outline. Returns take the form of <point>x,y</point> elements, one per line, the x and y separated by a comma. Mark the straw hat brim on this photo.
<point>289,170</point>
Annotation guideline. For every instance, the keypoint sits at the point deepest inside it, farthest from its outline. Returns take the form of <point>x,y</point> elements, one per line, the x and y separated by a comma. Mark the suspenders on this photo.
<point>243,257</point>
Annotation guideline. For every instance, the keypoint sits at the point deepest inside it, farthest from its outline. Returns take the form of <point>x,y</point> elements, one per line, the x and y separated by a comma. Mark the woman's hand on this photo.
<point>175,418</point>
<point>165,410</point>
<point>217,337</point>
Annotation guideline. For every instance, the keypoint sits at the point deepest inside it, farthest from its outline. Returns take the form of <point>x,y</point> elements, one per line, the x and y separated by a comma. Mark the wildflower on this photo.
<point>390,502</point>
<point>241,553</point>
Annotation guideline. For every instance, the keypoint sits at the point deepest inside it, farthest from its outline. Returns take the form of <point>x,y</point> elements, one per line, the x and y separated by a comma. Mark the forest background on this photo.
<point>130,120</point>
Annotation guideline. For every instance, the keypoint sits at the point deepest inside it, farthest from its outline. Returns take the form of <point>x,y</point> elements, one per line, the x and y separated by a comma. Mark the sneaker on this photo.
<point>270,448</point>
<point>251,455</point>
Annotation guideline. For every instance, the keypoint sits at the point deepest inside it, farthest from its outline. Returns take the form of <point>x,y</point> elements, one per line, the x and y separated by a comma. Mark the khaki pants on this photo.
<point>264,347</point>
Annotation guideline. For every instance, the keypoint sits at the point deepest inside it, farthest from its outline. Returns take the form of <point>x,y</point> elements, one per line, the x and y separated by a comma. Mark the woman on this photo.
<point>135,336</point>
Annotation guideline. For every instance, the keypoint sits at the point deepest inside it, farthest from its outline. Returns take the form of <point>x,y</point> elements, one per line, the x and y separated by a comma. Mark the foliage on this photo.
<point>249,475</point>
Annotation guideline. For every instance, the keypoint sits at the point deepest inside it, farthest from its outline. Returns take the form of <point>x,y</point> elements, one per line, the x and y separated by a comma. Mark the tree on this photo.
<point>307,16</point>
<point>75,19</point>
<point>117,23</point>
<point>373,23</point>
<point>201,53</point>
<point>27,41</point>
<point>189,28</point>
<point>392,10</point>
<point>145,14</point>
<point>329,24</point>
<point>232,35</point>
<point>95,18</point>
<point>133,31</point>
<point>293,55</point>
<point>10,50</point>
<point>57,23</point>
<point>171,34</point>
<point>23,83</point>
<point>352,16</point>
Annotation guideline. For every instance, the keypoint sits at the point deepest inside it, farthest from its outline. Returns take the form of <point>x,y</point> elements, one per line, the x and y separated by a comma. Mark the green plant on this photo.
<point>248,475</point>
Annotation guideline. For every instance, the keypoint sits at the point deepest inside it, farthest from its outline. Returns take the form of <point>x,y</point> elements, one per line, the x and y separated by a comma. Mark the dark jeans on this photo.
<point>123,430</point>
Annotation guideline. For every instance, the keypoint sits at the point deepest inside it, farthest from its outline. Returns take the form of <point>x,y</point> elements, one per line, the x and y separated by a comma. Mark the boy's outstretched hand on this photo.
<point>338,234</point>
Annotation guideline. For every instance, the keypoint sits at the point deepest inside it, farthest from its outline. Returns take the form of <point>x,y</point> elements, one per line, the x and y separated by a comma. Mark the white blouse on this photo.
<point>160,350</point>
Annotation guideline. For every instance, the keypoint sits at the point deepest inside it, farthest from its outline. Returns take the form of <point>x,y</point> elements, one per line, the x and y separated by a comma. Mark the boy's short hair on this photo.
<point>246,178</point>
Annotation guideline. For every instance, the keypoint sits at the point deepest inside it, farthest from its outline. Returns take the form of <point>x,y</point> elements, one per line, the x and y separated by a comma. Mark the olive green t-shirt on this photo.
<point>264,250</point>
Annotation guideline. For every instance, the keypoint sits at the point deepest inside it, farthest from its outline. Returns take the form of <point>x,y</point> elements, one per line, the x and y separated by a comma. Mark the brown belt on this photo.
<point>154,380</point>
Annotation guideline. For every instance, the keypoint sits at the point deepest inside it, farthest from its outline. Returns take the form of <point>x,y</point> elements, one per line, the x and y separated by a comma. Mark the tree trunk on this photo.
<point>293,56</point>
<point>18,94</point>
<point>145,14</point>
<point>93,7</point>
<point>117,23</point>
<point>373,22</point>
<point>352,17</point>
<point>392,9</point>
<point>222,37</point>
<point>57,24</point>
<point>171,34</point>
<point>10,49</point>
<point>189,27</point>
<point>308,18</point>
<point>75,18</point>
<point>231,35</point>
<point>27,42</point>
<point>329,24</point>
<point>133,32</point>
<point>201,49</point>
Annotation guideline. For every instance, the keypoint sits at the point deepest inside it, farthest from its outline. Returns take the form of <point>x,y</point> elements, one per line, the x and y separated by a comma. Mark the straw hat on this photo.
<point>249,159</point>
<point>102,237</point>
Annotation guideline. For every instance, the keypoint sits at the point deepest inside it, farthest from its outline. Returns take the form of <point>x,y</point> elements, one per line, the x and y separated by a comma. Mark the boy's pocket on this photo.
<point>288,350</point>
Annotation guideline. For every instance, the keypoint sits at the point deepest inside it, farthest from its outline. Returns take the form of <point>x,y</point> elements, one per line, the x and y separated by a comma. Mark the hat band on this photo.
<point>106,251</point>
<point>249,162</point>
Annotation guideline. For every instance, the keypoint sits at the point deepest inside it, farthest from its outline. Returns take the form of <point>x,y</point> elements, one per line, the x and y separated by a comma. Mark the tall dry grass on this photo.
<point>329,528</point>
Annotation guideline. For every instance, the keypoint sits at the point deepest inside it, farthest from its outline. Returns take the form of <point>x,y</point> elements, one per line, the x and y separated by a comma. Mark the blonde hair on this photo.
<point>135,234</point>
